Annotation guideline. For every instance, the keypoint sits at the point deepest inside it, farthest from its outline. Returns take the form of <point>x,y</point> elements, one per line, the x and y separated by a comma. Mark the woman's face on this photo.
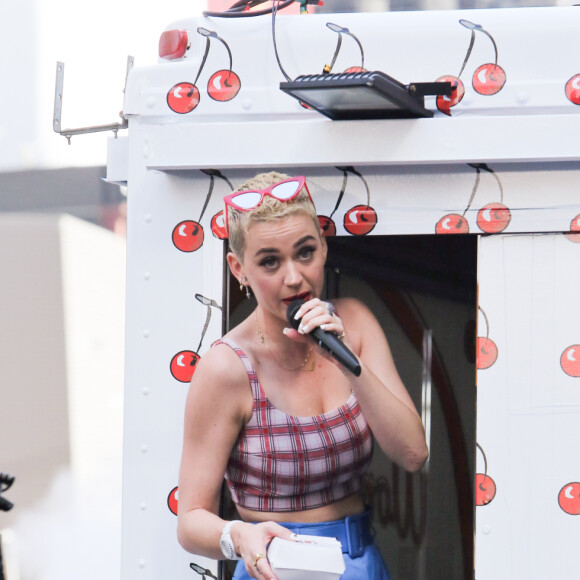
<point>284,260</point>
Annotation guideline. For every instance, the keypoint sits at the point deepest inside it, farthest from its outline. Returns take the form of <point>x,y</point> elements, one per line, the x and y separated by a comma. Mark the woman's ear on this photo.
<point>235,266</point>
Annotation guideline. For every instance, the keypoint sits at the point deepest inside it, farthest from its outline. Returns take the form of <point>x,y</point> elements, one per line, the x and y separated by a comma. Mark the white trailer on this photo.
<point>485,325</point>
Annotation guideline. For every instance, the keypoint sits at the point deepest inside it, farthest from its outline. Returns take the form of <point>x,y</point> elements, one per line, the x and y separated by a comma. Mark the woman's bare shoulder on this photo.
<point>221,364</point>
<point>220,376</point>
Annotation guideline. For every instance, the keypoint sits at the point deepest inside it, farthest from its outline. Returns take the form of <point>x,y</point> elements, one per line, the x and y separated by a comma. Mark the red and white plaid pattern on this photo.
<point>282,463</point>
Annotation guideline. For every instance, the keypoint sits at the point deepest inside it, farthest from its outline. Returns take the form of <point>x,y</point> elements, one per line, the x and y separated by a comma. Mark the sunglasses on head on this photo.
<point>282,191</point>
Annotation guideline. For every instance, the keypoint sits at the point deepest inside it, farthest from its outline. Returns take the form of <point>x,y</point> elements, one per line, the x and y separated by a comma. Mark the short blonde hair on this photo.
<point>239,222</point>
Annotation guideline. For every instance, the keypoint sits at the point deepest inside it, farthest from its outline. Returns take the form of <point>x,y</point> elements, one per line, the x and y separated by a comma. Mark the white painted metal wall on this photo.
<point>521,144</point>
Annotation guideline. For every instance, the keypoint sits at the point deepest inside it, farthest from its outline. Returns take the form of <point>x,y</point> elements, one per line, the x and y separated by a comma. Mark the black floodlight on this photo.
<point>364,95</point>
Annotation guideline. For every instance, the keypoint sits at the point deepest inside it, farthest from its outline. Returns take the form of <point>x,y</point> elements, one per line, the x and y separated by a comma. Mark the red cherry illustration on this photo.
<point>218,225</point>
<point>488,79</point>
<point>484,489</point>
<point>223,85</point>
<point>183,365</point>
<point>570,360</point>
<point>327,226</point>
<point>188,236</point>
<point>573,89</point>
<point>574,234</point>
<point>484,485</point>
<point>486,352</point>
<point>569,498</point>
<point>445,103</point>
<point>183,98</point>
<point>360,220</point>
<point>172,500</point>
<point>452,223</point>
<point>493,218</point>
<point>355,69</point>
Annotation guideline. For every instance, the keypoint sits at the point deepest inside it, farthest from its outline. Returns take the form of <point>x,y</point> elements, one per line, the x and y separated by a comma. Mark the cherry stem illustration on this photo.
<point>209,303</point>
<point>340,30</point>
<point>486,321</point>
<point>484,459</point>
<point>475,187</point>
<point>476,28</point>
<point>213,173</point>
<point>203,60</point>
<point>346,170</point>
<point>341,194</point>
<point>478,167</point>
<point>494,175</point>
<point>212,34</point>
<point>218,173</point>
<point>468,53</point>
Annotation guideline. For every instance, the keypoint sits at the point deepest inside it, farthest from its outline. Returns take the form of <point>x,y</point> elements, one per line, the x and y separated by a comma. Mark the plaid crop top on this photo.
<point>283,463</point>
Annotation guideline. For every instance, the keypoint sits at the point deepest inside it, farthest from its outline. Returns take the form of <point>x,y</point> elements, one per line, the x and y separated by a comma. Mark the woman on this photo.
<point>289,427</point>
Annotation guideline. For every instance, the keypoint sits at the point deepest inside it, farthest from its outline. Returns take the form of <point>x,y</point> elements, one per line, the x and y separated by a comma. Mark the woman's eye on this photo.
<point>306,252</point>
<point>269,262</point>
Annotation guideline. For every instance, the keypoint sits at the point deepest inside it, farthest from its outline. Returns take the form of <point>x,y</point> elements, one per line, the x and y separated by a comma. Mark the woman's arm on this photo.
<point>384,400</point>
<point>218,404</point>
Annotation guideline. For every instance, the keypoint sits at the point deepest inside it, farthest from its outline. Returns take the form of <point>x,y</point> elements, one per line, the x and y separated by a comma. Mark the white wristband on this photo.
<point>226,544</point>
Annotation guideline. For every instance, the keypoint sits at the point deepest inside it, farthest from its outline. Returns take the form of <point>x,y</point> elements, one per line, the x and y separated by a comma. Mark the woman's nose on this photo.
<point>293,275</point>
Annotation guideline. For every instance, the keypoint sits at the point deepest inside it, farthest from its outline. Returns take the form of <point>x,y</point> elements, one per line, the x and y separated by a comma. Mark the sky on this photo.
<point>93,39</point>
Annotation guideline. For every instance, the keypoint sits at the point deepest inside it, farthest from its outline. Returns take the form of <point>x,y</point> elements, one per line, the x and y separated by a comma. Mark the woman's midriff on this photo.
<point>348,506</point>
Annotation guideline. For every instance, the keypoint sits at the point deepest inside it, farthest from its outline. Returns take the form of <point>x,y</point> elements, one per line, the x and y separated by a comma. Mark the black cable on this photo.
<point>274,12</point>
<point>241,9</point>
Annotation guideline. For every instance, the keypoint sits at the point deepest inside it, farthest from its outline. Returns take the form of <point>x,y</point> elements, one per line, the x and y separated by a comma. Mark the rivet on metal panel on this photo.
<point>522,98</point>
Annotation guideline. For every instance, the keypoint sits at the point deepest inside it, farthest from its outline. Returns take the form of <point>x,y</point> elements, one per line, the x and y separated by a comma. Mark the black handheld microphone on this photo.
<point>326,340</point>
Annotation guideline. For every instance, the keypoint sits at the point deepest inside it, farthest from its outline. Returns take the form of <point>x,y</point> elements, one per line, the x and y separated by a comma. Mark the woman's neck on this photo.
<point>287,353</point>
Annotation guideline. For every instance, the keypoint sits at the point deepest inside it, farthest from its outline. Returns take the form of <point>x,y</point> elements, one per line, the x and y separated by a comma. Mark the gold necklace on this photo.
<point>262,340</point>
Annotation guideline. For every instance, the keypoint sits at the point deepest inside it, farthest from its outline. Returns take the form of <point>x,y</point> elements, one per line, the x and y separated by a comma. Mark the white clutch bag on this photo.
<point>308,558</point>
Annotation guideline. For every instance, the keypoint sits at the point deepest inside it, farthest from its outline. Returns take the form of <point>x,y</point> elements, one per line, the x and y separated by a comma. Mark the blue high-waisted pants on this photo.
<point>362,558</point>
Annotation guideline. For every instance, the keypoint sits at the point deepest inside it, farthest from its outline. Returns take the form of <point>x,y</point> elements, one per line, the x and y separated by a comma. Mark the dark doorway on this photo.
<point>423,290</point>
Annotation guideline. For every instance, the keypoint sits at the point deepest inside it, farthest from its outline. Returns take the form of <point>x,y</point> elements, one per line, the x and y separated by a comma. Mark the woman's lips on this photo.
<point>304,296</point>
